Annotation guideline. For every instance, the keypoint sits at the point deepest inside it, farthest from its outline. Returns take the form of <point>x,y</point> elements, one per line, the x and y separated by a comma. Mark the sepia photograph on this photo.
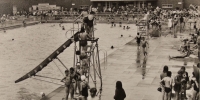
<point>99,49</point>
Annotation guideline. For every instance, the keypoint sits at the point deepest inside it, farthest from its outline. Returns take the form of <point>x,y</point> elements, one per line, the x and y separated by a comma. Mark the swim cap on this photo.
<point>83,78</point>
<point>90,17</point>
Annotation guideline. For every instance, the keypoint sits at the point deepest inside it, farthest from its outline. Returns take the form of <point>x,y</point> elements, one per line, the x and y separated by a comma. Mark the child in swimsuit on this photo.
<point>138,40</point>
<point>68,83</point>
<point>144,46</point>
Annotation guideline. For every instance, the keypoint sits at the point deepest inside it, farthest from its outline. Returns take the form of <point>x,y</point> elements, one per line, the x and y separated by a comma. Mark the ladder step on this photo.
<point>88,51</point>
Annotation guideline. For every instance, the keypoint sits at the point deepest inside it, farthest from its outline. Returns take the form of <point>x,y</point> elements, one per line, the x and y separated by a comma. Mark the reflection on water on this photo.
<point>144,67</point>
<point>141,63</point>
<point>138,59</point>
<point>24,94</point>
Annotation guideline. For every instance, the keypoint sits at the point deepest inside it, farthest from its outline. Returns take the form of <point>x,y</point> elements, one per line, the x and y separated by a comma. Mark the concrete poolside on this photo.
<point>124,65</point>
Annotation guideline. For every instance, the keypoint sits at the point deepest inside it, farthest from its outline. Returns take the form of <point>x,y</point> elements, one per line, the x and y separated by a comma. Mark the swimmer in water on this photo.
<point>112,22</point>
<point>63,28</point>
<point>120,24</point>
<point>24,23</point>
<point>127,27</point>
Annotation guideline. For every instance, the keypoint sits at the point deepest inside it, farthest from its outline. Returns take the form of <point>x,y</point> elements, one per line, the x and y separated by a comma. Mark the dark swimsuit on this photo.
<point>85,91</point>
<point>138,40</point>
<point>167,90</point>
<point>83,43</point>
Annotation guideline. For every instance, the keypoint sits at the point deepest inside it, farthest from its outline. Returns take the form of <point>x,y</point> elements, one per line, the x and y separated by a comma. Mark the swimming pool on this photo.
<point>22,49</point>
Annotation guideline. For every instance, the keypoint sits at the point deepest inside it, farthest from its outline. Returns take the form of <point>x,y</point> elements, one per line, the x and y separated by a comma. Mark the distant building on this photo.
<point>5,7</point>
<point>170,4</point>
<point>166,4</point>
<point>130,3</point>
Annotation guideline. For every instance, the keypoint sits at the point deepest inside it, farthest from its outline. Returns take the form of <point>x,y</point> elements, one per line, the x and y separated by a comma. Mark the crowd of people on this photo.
<point>189,46</point>
<point>77,79</point>
<point>74,80</point>
<point>173,18</point>
<point>180,87</point>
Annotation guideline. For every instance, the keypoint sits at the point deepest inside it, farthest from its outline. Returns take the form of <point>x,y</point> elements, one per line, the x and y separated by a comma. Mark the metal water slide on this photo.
<point>44,63</point>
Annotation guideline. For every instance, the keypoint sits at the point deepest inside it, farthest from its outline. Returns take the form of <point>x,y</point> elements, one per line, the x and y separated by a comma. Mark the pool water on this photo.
<point>22,49</point>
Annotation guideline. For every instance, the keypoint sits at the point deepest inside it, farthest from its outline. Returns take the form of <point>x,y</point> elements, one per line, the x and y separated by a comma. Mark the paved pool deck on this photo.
<point>140,77</point>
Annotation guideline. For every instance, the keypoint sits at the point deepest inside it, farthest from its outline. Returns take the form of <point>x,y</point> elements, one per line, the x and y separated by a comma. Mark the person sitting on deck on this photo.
<point>184,46</point>
<point>186,54</point>
<point>193,38</point>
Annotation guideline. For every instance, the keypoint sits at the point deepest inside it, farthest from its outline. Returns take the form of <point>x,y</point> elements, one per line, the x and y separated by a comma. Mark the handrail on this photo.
<point>105,57</point>
<point>76,19</point>
<point>99,14</point>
